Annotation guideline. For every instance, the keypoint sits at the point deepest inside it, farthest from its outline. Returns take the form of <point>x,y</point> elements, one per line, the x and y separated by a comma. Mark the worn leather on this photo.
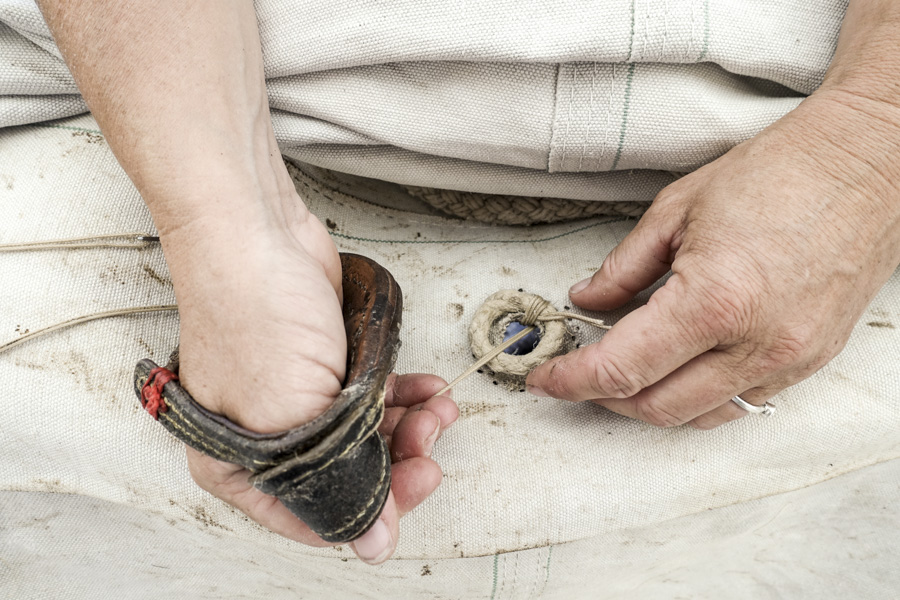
<point>333,472</point>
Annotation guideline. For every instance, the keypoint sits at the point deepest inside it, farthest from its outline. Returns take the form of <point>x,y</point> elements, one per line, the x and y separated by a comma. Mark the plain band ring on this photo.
<point>765,410</point>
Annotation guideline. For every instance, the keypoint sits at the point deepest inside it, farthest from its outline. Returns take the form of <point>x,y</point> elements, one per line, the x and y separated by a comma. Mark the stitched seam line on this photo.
<point>224,449</point>
<point>362,432</point>
<point>624,116</point>
<point>705,31</point>
<point>562,162</point>
<point>631,40</point>
<point>609,102</point>
<point>494,588</point>
<point>69,127</point>
<point>590,123</point>
<point>546,239</point>
<point>553,123</point>
<point>370,502</point>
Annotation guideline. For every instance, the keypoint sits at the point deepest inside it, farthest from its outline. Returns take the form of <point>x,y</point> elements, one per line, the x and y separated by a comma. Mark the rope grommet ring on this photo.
<point>491,320</point>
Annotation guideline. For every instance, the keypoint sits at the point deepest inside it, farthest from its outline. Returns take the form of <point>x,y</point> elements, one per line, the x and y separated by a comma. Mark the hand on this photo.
<point>257,277</point>
<point>775,250</point>
<point>263,343</point>
<point>413,421</point>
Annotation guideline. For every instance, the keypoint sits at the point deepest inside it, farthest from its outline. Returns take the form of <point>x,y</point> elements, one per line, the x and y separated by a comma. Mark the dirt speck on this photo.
<point>507,271</point>
<point>455,310</point>
<point>89,136</point>
<point>199,514</point>
<point>146,346</point>
<point>330,224</point>
<point>881,324</point>
<point>469,409</point>
<point>156,276</point>
<point>202,516</point>
<point>426,570</point>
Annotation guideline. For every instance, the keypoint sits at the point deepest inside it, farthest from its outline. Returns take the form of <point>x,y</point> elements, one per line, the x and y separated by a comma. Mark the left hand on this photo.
<point>775,249</point>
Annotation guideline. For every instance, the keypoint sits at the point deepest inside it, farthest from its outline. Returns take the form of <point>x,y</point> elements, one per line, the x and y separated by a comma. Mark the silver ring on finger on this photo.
<point>766,410</point>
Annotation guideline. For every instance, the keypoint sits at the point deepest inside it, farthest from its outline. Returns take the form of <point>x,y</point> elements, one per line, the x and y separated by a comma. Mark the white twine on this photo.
<point>530,310</point>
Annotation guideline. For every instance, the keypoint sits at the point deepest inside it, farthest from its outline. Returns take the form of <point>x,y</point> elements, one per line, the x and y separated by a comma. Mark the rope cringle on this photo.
<point>490,321</point>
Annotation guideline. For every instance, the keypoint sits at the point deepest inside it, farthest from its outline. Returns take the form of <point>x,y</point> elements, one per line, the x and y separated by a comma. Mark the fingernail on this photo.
<point>375,545</point>
<point>536,391</point>
<point>579,287</point>
<point>431,439</point>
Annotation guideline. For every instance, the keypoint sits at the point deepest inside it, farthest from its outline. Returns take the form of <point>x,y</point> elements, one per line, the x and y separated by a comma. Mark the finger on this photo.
<point>731,411</point>
<point>377,544</point>
<point>412,388</point>
<point>230,483</point>
<point>392,416</point>
<point>443,408</point>
<point>642,348</point>
<point>700,386</point>
<point>637,262</point>
<point>415,435</point>
<point>413,480</point>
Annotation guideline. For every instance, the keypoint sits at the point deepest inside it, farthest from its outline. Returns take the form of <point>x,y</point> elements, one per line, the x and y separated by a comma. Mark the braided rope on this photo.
<point>520,210</point>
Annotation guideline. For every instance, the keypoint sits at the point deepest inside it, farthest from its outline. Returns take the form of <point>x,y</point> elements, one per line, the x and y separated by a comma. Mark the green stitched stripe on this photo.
<point>494,588</point>
<point>625,106</point>
<point>50,126</point>
<point>546,239</point>
<point>705,30</point>
<point>547,568</point>
<point>631,41</point>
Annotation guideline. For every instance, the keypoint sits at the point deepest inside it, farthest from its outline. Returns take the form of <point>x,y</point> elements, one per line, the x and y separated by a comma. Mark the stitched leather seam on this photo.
<point>369,504</point>
<point>362,432</point>
<point>224,449</point>
<point>198,441</point>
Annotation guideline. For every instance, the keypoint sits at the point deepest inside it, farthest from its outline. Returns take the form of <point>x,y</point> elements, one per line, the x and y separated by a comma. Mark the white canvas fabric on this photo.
<point>571,98</point>
<point>540,498</point>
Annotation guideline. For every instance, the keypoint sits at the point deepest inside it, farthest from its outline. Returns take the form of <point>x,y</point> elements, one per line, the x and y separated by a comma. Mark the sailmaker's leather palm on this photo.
<point>333,472</point>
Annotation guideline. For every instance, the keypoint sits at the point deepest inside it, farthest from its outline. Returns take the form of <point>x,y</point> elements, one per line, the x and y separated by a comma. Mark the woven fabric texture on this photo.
<point>540,498</point>
<point>576,99</point>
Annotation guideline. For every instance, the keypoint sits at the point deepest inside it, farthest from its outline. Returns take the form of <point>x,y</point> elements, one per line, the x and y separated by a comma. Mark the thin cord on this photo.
<point>495,352</point>
<point>488,358</point>
<point>126,240</point>
<point>86,318</point>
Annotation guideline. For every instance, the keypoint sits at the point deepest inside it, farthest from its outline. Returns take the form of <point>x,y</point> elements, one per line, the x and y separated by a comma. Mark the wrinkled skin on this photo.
<point>775,250</point>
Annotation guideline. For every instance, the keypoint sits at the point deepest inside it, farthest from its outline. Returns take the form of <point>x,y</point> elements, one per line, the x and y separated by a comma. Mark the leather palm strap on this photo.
<point>334,472</point>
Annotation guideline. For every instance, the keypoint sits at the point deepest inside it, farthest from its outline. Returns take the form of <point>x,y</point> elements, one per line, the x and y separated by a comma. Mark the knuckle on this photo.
<point>816,362</point>
<point>791,348</point>
<point>727,312</point>
<point>674,193</point>
<point>611,379</point>
<point>656,413</point>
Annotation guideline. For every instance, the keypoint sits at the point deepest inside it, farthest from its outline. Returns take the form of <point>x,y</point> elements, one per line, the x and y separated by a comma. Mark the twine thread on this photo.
<point>529,310</point>
<point>125,240</point>
<point>111,240</point>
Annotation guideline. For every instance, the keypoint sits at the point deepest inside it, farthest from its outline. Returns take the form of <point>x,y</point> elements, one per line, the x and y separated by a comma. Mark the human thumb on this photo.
<point>635,264</point>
